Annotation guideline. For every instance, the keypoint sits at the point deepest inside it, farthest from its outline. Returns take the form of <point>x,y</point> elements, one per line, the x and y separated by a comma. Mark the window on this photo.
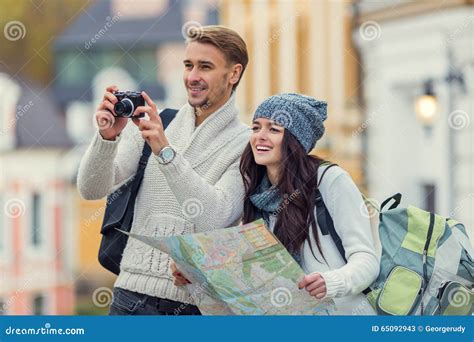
<point>147,70</point>
<point>36,219</point>
<point>74,69</point>
<point>429,197</point>
<point>142,65</point>
<point>38,305</point>
<point>106,58</point>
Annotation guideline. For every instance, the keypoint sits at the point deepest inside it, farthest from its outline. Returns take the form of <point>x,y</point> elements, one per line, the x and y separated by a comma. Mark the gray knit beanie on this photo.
<point>302,115</point>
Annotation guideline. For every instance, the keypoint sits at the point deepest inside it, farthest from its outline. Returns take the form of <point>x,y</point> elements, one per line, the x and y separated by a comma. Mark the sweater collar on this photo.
<point>183,134</point>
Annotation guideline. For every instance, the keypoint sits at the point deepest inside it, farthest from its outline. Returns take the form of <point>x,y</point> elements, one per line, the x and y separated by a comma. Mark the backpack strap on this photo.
<point>326,223</point>
<point>324,218</point>
<point>397,198</point>
<point>325,170</point>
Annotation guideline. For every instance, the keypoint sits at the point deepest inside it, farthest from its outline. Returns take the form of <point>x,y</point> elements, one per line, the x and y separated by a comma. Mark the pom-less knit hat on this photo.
<point>301,115</point>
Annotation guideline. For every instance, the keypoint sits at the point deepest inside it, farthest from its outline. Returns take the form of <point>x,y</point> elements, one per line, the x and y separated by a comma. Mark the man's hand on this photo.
<point>179,278</point>
<point>315,284</point>
<point>110,125</point>
<point>152,130</point>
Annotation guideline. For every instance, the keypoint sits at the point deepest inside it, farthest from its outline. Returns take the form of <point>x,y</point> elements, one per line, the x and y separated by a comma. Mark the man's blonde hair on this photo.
<point>226,40</point>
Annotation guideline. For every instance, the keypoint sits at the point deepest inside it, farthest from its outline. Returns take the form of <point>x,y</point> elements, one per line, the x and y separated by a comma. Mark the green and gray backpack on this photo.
<point>427,264</point>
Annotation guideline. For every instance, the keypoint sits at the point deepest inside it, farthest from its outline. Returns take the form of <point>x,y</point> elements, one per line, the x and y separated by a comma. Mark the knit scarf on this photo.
<point>267,199</point>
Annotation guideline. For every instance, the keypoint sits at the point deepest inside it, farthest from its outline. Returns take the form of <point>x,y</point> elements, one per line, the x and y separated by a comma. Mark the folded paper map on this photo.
<point>241,270</point>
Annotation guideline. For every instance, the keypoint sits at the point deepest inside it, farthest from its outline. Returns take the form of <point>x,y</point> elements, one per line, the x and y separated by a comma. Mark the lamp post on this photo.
<point>426,110</point>
<point>426,107</point>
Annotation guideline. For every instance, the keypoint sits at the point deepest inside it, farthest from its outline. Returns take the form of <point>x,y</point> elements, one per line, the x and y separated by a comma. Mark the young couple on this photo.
<point>206,156</point>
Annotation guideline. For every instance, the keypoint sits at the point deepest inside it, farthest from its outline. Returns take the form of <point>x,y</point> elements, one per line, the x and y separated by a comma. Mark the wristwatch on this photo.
<point>166,155</point>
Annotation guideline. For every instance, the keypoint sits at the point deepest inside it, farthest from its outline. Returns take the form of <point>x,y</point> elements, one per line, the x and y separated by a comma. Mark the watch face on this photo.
<point>168,154</point>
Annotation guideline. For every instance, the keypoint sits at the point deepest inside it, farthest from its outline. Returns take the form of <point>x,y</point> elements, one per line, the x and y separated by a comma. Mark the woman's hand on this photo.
<point>315,284</point>
<point>179,278</point>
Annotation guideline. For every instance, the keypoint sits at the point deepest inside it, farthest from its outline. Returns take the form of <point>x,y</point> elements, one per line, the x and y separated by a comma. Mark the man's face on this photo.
<point>207,76</point>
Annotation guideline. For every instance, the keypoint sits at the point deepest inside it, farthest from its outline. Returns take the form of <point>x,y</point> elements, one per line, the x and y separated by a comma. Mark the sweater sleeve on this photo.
<point>106,164</point>
<point>351,221</point>
<point>207,206</point>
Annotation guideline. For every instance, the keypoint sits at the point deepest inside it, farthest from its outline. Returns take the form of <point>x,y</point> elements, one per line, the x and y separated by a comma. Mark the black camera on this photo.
<point>128,101</point>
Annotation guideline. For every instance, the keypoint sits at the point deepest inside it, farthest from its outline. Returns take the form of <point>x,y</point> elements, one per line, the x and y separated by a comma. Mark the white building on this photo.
<point>36,239</point>
<point>402,45</point>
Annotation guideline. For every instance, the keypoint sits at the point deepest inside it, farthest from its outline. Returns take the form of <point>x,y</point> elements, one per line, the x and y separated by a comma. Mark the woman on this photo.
<point>280,180</point>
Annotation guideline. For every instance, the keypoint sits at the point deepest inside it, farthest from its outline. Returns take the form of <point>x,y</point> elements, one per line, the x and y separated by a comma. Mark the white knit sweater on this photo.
<point>201,189</point>
<point>344,282</point>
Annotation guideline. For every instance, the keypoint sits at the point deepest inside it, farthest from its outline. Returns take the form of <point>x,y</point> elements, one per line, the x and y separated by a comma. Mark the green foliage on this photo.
<point>43,20</point>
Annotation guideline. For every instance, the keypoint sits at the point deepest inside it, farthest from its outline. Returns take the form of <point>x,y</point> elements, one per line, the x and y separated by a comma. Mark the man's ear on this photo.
<point>236,72</point>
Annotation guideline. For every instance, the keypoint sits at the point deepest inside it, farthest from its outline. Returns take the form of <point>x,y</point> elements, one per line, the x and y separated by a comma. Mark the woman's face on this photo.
<point>266,141</point>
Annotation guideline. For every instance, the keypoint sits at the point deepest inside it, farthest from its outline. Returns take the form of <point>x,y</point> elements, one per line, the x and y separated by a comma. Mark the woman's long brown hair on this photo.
<point>297,183</point>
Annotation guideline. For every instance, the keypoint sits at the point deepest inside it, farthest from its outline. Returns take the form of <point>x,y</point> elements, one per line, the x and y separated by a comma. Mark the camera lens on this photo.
<point>124,108</point>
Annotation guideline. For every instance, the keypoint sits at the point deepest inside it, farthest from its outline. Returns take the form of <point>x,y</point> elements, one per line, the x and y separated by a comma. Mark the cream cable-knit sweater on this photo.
<point>201,189</point>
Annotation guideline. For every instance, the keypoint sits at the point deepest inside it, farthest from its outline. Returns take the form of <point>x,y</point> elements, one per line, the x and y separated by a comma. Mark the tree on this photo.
<point>29,28</point>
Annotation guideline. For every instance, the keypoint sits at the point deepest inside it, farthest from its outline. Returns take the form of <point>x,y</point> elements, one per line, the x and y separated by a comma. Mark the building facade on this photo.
<point>403,46</point>
<point>36,237</point>
<point>303,46</point>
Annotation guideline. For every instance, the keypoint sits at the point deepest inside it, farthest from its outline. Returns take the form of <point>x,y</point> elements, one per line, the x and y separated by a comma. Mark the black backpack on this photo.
<point>120,207</point>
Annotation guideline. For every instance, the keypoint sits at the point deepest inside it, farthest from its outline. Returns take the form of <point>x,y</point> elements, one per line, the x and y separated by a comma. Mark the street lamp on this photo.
<point>426,109</point>
<point>426,106</point>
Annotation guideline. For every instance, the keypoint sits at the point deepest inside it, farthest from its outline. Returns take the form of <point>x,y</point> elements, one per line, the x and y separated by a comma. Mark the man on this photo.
<point>192,181</point>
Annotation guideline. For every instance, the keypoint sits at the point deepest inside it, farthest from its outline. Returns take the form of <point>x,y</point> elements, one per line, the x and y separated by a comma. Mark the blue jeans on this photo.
<point>126,302</point>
